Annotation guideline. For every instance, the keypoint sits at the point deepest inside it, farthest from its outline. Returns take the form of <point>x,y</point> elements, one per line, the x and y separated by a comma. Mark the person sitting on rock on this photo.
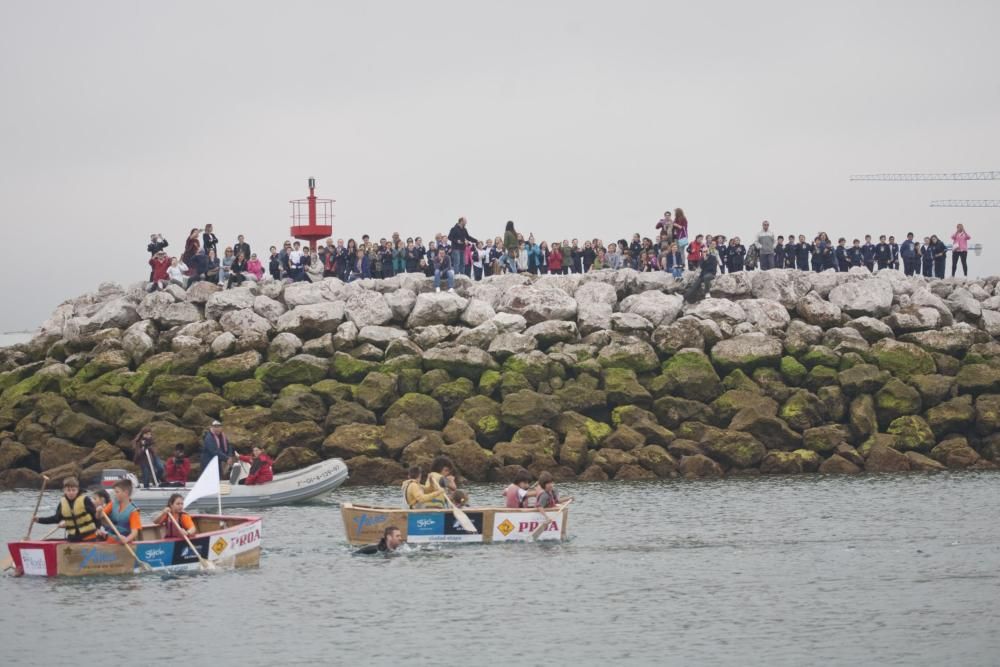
<point>443,266</point>
<point>76,513</point>
<point>178,468</point>
<point>255,268</point>
<point>159,277</point>
<point>415,495</point>
<point>709,269</point>
<point>517,493</point>
<point>175,509</point>
<point>177,272</point>
<point>237,271</point>
<point>261,471</point>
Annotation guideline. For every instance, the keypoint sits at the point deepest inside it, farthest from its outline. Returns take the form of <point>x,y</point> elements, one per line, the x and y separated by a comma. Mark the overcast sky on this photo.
<point>572,118</point>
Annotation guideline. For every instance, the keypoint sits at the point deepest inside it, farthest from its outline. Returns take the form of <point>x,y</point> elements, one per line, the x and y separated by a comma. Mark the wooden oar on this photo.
<point>8,562</point>
<point>144,564</point>
<point>152,469</point>
<point>461,516</point>
<point>536,533</point>
<point>205,564</point>
<point>34,515</point>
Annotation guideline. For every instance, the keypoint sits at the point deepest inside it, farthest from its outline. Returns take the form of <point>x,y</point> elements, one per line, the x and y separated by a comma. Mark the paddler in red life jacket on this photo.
<point>260,467</point>
<point>547,494</point>
<point>175,508</point>
<point>76,513</point>
<point>518,492</point>
<point>123,513</point>
<point>414,494</point>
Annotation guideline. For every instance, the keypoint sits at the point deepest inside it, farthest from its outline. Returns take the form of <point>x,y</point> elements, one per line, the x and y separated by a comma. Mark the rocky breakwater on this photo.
<point>604,376</point>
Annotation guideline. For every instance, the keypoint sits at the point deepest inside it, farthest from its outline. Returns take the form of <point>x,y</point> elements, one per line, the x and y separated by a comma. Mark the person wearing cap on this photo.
<point>76,513</point>
<point>215,444</point>
<point>178,468</point>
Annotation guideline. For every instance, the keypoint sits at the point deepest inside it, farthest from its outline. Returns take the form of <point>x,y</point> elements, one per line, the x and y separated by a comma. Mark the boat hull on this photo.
<point>237,545</point>
<point>285,489</point>
<point>365,525</point>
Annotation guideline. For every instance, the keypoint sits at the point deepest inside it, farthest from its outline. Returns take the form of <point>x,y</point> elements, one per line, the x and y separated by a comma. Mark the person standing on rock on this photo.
<point>209,240</point>
<point>909,254</point>
<point>156,244</point>
<point>940,253</point>
<point>459,238</point>
<point>765,246</point>
<point>868,253</point>
<point>927,258</point>
<point>960,250</point>
<point>241,246</point>
<point>215,444</point>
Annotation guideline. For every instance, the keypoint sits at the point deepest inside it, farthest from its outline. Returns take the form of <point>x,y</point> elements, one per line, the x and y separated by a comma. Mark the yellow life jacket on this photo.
<point>79,522</point>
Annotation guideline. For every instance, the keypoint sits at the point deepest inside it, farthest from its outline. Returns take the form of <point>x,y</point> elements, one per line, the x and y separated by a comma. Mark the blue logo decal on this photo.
<point>425,524</point>
<point>365,520</point>
<point>95,556</point>
<point>157,555</point>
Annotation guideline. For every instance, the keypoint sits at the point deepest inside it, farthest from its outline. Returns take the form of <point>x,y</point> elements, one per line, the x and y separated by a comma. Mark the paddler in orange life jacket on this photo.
<point>175,508</point>
<point>123,513</point>
<point>518,492</point>
<point>414,494</point>
<point>76,513</point>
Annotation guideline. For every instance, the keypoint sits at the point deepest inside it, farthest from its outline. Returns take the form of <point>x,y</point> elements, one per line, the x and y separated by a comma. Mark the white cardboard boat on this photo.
<point>286,488</point>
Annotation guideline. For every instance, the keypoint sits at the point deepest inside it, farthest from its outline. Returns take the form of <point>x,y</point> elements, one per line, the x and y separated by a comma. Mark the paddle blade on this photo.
<point>6,563</point>
<point>537,532</point>
<point>464,520</point>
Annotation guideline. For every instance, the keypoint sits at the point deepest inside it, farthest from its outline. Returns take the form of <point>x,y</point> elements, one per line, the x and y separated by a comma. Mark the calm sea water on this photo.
<point>7,339</point>
<point>898,569</point>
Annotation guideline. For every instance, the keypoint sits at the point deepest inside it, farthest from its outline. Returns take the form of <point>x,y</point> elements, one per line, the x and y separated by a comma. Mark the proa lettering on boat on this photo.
<point>367,520</point>
<point>247,538</point>
<point>529,526</point>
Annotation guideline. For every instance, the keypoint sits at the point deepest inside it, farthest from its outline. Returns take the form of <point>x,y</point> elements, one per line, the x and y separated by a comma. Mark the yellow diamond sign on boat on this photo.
<point>220,546</point>
<point>506,527</point>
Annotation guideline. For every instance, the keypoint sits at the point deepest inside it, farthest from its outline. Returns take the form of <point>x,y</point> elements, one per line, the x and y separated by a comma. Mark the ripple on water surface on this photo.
<point>783,570</point>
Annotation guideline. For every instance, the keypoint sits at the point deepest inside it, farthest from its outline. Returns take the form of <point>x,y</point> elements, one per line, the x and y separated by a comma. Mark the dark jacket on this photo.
<point>709,265</point>
<point>156,246</point>
<point>459,237</point>
<point>210,241</point>
<point>442,264</point>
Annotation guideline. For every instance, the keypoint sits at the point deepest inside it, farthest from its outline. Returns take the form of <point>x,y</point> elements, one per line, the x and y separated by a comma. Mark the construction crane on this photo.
<point>957,176</point>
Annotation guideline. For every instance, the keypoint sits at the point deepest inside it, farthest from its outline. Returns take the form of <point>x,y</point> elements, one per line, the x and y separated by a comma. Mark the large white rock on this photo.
<point>991,322</point>
<point>268,308</point>
<point>223,344</point>
<point>718,310</point>
<point>137,344</point>
<point>245,322</point>
<point>306,293</point>
<point>480,336</point>
<point>538,304</point>
<point>732,285</point>
<point>477,312</point>
<point>863,297</point>
<point>179,314</point>
<point>656,307</point>
<point>401,303</point>
<point>118,313</point>
<point>785,286</point>
<point>596,292</point>
<point>368,308</point>
<point>765,315</point>
<point>313,319</point>
<point>915,318</point>
<point>815,310</point>
<point>378,335</point>
<point>436,308</point>
<point>507,344</point>
<point>554,331</point>
<point>747,351</point>
<point>509,322</point>
<point>239,298</point>
<point>201,291</point>
<point>154,304</point>
<point>593,316</point>
<point>962,302</point>
<point>284,346</point>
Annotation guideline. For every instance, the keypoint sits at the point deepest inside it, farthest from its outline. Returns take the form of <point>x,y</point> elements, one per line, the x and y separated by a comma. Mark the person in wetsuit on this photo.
<point>392,540</point>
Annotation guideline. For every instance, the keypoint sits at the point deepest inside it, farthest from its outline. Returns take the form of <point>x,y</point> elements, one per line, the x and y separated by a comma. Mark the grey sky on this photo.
<point>572,118</point>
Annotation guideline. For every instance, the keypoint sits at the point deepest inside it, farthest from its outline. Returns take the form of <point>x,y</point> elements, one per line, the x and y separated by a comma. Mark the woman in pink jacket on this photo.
<point>255,267</point>
<point>960,249</point>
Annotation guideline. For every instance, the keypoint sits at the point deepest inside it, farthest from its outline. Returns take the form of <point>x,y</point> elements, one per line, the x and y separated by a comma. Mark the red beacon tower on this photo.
<point>312,218</point>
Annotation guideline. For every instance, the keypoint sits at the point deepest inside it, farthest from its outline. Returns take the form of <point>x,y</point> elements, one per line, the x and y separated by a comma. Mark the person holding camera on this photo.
<point>159,277</point>
<point>145,457</point>
<point>156,244</point>
<point>178,468</point>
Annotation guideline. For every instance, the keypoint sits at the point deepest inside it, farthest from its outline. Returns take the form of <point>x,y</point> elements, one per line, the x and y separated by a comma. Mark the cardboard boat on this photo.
<point>365,524</point>
<point>226,541</point>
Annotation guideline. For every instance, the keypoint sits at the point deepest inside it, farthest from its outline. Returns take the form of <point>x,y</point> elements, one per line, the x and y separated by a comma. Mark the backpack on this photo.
<point>753,252</point>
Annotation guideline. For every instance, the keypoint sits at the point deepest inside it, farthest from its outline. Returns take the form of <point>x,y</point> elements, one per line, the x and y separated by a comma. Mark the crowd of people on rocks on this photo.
<point>671,248</point>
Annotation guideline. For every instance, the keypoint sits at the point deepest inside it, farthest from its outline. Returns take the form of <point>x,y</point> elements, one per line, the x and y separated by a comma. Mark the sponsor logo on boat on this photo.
<point>424,527</point>
<point>33,562</point>
<point>154,554</point>
<point>506,527</point>
<point>247,538</point>
<point>366,520</point>
<point>94,557</point>
<point>220,546</point>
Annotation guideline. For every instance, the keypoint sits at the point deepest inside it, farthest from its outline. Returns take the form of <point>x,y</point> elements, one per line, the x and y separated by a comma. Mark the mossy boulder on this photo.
<point>802,410</point>
<point>781,463</point>
<point>811,461</point>
<point>347,412</point>
<point>333,390</point>
<point>58,452</point>
<point>933,388</point>
<point>174,392</point>
<point>772,432</point>
<point>978,379</point>
<point>452,394</point>
<point>473,461</point>
<point>886,459</point>
<point>955,453</point>
<point>374,470</point>
<point>739,380</point>
<point>894,400</point>
<point>792,371</point>
<point>377,391</point>
<point>121,412</point>
<point>988,414</point>
<point>838,465</point>
<point>820,376</point>
<point>430,380</point>
<point>901,359</point>
<point>353,440</point>
<point>747,351</point>
<point>582,395</point>
<point>671,411</point>
<point>690,374</point>
<point>512,381</point>
<point>251,418</point>
<point>528,407</point>
<point>730,403</point>
<point>231,369</point>
<point>573,453</point>
<point>295,458</point>
<point>489,383</point>
<point>954,416</point>
<point>862,379</point>
<point>697,466</point>
<point>621,386</point>
<point>611,460</point>
<point>102,363</point>
<point>300,369</point>
<point>863,418</point>
<point>625,438</point>
<point>167,436</point>
<point>820,355</point>
<point>631,353</point>
<point>834,403</point>
<point>533,366</point>
<point>825,439</point>
<point>655,459</point>
<point>35,384</point>
<point>735,449</point>
<point>298,407</point>
<point>912,433</point>
<point>772,383</point>
<point>246,392</point>
<point>422,409</point>
<point>278,436</point>
<point>483,414</point>
<point>13,454</point>
<point>81,428</point>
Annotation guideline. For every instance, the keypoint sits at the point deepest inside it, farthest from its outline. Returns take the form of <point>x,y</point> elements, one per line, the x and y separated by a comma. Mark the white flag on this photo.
<point>207,484</point>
